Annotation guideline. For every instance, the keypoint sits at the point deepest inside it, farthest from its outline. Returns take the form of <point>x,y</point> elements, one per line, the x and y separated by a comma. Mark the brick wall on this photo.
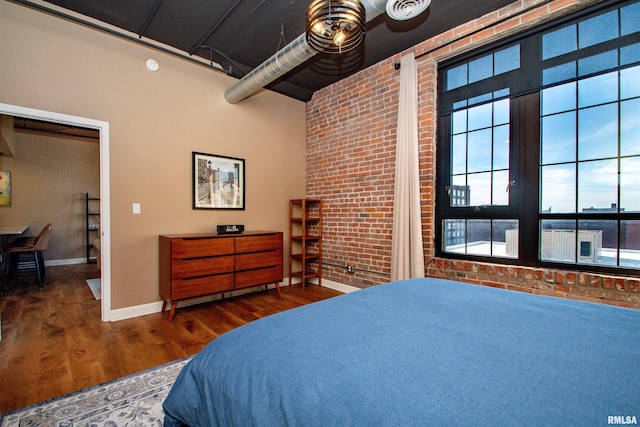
<point>351,131</point>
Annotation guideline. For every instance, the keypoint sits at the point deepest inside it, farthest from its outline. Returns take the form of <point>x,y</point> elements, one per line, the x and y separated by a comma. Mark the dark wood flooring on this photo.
<point>53,341</point>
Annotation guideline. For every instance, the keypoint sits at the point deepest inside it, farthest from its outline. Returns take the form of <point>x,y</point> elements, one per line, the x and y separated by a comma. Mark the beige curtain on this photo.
<point>407,254</point>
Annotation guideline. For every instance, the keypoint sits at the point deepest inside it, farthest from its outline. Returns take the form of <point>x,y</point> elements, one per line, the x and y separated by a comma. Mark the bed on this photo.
<point>419,352</point>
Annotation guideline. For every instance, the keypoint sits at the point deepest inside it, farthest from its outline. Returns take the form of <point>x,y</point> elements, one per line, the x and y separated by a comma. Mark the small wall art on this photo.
<point>5,188</point>
<point>218,182</point>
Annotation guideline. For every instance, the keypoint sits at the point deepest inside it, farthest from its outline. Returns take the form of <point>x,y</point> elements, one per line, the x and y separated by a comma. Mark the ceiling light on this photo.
<point>335,26</point>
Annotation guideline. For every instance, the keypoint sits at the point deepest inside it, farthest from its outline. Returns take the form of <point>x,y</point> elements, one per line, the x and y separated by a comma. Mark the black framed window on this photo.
<point>539,145</point>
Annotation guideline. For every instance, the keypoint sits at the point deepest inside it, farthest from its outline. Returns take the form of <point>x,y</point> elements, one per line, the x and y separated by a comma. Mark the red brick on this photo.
<point>607,282</point>
<point>549,276</point>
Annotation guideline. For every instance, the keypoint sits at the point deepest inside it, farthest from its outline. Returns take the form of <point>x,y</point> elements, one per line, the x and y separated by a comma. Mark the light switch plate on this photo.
<point>136,208</point>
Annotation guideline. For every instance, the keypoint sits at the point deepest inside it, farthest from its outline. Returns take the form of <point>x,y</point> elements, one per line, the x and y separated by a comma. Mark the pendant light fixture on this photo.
<point>335,26</point>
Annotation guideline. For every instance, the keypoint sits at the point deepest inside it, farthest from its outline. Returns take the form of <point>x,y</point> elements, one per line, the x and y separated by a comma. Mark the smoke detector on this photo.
<point>402,10</point>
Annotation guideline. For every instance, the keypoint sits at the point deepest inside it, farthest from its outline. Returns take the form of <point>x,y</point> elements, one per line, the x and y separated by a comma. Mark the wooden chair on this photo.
<point>28,246</point>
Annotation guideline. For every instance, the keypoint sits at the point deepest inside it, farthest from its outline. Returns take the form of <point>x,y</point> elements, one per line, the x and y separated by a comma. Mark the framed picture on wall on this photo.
<point>5,188</point>
<point>218,182</point>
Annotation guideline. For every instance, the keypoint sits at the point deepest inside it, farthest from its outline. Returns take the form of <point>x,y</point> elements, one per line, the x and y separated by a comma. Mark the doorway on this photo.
<point>105,200</point>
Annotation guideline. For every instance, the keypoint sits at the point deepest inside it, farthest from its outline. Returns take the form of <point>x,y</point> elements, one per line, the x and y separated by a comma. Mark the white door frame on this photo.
<point>105,195</point>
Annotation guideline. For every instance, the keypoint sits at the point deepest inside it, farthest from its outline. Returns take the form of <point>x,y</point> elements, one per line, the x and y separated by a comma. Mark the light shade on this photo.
<point>335,26</point>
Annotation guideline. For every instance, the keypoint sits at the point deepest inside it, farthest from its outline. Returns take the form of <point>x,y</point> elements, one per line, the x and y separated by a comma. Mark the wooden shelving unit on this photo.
<point>92,223</point>
<point>305,240</point>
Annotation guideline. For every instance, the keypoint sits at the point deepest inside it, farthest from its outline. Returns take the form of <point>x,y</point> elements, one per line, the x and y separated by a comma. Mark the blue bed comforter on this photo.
<point>420,352</point>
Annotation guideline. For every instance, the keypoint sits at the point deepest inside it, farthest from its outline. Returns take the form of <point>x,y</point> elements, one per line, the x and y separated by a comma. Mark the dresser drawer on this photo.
<point>245,279</point>
<point>196,247</point>
<point>187,288</point>
<point>258,260</point>
<point>245,244</point>
<point>196,267</point>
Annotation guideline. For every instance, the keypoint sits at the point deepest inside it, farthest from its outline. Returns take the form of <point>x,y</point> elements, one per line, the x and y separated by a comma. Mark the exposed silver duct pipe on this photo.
<point>285,60</point>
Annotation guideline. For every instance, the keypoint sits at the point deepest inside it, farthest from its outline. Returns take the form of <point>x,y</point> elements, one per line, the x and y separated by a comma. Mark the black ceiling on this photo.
<point>240,34</point>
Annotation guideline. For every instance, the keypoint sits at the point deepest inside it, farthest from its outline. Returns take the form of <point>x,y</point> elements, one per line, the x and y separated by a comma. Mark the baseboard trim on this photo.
<point>156,307</point>
<point>336,286</point>
<point>69,261</point>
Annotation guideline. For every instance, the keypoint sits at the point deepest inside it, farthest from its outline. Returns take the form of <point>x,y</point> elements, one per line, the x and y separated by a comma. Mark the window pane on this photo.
<point>479,237</point>
<point>500,93</point>
<point>457,77</point>
<point>630,82</point>
<point>630,54</point>
<point>455,232</point>
<point>559,98</point>
<point>629,187</point>
<point>630,17</point>
<point>479,157</point>
<point>596,63</point>
<point>500,194</point>
<point>460,104</point>
<point>598,132</point>
<point>480,99</point>
<point>630,127</point>
<point>559,73</point>
<point>459,154</point>
<point>597,242</point>
<point>630,244</point>
<point>559,138</point>
<point>482,237</point>
<point>460,193</point>
<point>481,69</point>
<point>499,238</point>
<point>598,90</point>
<point>598,29</point>
<point>558,188</point>
<point>559,42</point>
<point>501,147</point>
<point>501,112</point>
<point>507,60</point>
<point>505,238</point>
<point>479,188</point>
<point>480,117</point>
<point>459,121</point>
<point>558,240</point>
<point>598,186</point>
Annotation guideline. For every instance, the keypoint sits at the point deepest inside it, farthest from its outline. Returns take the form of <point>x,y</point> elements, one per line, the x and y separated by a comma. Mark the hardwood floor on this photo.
<point>53,341</point>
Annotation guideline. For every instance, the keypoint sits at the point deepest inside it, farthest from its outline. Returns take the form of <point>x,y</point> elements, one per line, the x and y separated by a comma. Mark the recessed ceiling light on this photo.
<point>152,65</point>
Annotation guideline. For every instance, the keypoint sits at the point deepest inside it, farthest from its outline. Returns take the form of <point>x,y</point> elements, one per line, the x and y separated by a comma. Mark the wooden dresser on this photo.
<point>196,265</point>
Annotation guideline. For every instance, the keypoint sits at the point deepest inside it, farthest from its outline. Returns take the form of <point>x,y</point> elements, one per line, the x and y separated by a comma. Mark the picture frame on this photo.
<point>217,182</point>
<point>5,188</point>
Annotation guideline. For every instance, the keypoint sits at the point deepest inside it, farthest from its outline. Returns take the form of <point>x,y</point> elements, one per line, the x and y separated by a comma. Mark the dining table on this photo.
<point>7,231</point>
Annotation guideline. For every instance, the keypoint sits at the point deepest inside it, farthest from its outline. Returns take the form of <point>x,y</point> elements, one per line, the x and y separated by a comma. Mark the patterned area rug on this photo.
<point>134,400</point>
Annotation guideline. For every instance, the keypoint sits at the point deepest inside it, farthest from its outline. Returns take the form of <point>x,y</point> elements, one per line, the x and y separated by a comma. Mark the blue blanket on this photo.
<point>421,352</point>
